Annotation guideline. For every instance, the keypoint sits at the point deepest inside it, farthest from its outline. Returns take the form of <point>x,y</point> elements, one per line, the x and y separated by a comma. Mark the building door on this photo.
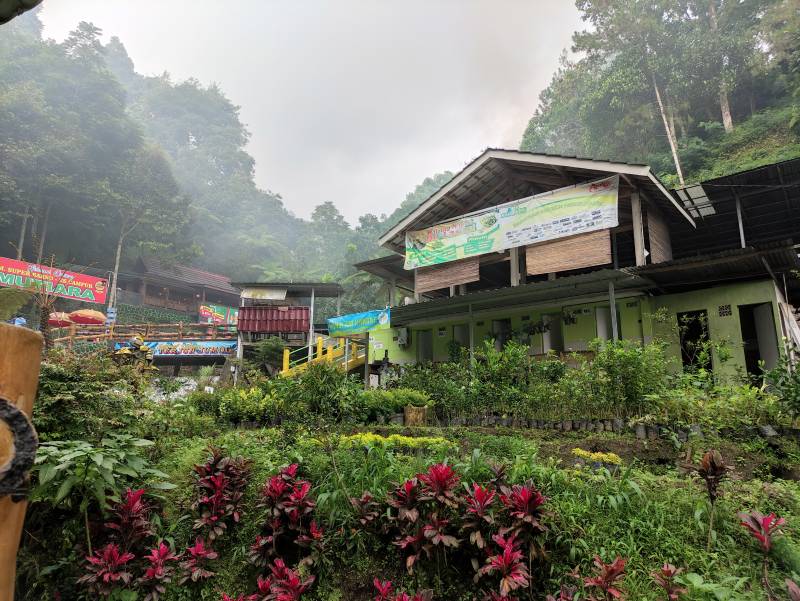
<point>424,346</point>
<point>501,332</point>
<point>759,340</point>
<point>693,330</point>
<point>553,337</point>
<point>603,319</point>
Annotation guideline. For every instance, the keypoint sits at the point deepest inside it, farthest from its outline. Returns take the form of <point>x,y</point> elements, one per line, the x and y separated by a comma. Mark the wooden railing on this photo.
<point>149,331</point>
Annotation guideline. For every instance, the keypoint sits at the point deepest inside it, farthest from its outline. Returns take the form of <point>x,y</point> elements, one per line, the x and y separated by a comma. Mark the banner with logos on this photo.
<point>190,348</point>
<point>556,214</point>
<point>66,284</point>
<point>358,323</point>
<point>218,314</point>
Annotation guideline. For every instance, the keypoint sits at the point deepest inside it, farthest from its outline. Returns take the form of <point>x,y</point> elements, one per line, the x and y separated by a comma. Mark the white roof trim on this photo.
<point>540,159</point>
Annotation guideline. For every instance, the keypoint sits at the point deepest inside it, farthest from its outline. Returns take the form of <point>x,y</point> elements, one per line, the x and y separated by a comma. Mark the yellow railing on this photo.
<point>347,355</point>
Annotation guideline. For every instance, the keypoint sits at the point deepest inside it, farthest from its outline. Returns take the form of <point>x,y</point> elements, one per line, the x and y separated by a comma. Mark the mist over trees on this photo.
<point>99,164</point>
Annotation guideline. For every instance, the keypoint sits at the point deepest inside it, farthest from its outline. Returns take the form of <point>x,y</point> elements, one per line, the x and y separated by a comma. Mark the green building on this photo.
<point>539,248</point>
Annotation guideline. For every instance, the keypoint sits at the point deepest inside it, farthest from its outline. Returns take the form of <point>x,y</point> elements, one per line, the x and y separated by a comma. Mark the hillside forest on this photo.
<point>100,164</point>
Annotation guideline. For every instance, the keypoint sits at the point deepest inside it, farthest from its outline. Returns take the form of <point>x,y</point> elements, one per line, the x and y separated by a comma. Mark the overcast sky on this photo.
<point>353,101</point>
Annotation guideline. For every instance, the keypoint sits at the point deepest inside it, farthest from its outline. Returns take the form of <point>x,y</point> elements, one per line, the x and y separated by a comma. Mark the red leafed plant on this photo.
<point>524,503</point>
<point>196,564</point>
<point>412,545</point>
<point>762,527</point>
<point>107,568</point>
<point>239,598</point>
<point>129,524</point>
<point>221,482</point>
<point>665,578</point>
<point>385,590</point>
<point>367,509</point>
<point>793,589</point>
<point>439,484</point>
<point>159,572</point>
<point>286,584</point>
<point>435,532</point>
<point>479,502</point>
<point>508,565</point>
<point>405,499</point>
<point>289,530</point>
<point>606,581</point>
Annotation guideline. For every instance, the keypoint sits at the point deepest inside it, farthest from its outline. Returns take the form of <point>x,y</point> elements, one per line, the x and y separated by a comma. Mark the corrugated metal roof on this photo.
<point>268,320</point>
<point>321,289</point>
<point>187,275</point>
<point>500,175</point>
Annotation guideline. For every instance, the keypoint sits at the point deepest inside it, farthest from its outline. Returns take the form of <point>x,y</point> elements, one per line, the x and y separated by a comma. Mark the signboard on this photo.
<point>66,284</point>
<point>556,214</point>
<point>358,323</point>
<point>218,314</point>
<point>190,348</point>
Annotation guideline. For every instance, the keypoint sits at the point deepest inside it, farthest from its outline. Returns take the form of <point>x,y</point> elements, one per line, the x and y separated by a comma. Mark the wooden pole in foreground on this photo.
<point>20,355</point>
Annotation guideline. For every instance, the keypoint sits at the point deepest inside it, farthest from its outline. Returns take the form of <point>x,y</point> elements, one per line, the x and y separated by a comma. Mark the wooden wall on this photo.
<point>447,274</point>
<point>564,254</point>
<point>660,244</point>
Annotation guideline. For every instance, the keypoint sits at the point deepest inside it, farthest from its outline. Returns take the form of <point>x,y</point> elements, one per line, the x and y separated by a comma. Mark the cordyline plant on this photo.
<point>712,470</point>
<point>439,484</point>
<point>604,584</point>
<point>793,590</point>
<point>221,482</point>
<point>129,524</point>
<point>508,565</point>
<point>107,569</point>
<point>159,572</point>
<point>479,513</point>
<point>763,528</point>
<point>366,508</point>
<point>284,583</point>
<point>665,578</point>
<point>405,499</point>
<point>385,592</point>
<point>289,529</point>
<point>196,563</point>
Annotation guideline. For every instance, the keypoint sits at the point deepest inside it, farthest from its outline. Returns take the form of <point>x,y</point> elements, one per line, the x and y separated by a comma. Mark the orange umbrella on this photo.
<point>60,320</point>
<point>87,317</point>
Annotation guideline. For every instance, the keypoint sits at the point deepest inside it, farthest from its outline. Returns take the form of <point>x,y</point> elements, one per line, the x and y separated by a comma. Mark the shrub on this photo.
<point>205,402</point>
<point>327,392</point>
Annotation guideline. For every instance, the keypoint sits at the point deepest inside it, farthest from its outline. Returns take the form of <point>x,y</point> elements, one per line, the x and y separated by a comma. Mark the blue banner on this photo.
<point>358,323</point>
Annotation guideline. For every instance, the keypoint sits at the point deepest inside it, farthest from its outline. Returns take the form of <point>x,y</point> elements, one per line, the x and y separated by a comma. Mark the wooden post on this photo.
<point>513,254</point>
<point>612,306</point>
<point>19,377</point>
<point>742,240</point>
<point>638,228</point>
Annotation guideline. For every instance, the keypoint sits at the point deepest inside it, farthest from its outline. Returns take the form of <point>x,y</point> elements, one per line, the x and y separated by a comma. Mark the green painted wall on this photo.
<point>722,328</point>
<point>636,322</point>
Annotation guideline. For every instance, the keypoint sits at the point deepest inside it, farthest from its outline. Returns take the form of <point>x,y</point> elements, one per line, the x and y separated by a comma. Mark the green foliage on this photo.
<point>82,397</point>
<point>135,314</point>
<point>11,301</point>
<point>270,351</point>
<point>385,402</point>
<point>784,382</point>
<point>77,471</point>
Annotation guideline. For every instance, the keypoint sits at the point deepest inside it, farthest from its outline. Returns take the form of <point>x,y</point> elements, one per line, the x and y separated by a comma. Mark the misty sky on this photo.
<point>353,101</point>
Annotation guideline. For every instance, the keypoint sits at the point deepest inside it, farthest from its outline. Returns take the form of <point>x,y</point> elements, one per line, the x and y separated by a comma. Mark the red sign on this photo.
<point>66,284</point>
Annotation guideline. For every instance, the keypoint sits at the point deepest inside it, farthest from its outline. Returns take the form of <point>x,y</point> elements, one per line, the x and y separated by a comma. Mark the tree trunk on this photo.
<point>670,135</point>
<point>22,231</point>
<point>43,233</point>
<point>724,105</point>
<point>112,301</point>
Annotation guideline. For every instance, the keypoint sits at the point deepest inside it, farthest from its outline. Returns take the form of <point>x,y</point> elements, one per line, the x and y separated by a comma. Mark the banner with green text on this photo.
<point>556,214</point>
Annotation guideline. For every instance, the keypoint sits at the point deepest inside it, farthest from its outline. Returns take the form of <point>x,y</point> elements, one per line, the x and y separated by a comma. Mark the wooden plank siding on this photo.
<point>449,274</point>
<point>660,243</point>
<point>564,254</point>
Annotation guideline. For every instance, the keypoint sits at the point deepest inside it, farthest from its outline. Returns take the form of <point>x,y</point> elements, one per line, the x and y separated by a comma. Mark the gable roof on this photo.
<point>487,178</point>
<point>188,275</point>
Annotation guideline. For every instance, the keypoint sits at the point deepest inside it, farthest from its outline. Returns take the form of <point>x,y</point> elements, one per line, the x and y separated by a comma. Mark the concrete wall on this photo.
<point>636,322</point>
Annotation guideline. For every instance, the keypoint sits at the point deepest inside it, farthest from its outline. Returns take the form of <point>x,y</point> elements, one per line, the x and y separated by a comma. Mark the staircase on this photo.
<point>345,354</point>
